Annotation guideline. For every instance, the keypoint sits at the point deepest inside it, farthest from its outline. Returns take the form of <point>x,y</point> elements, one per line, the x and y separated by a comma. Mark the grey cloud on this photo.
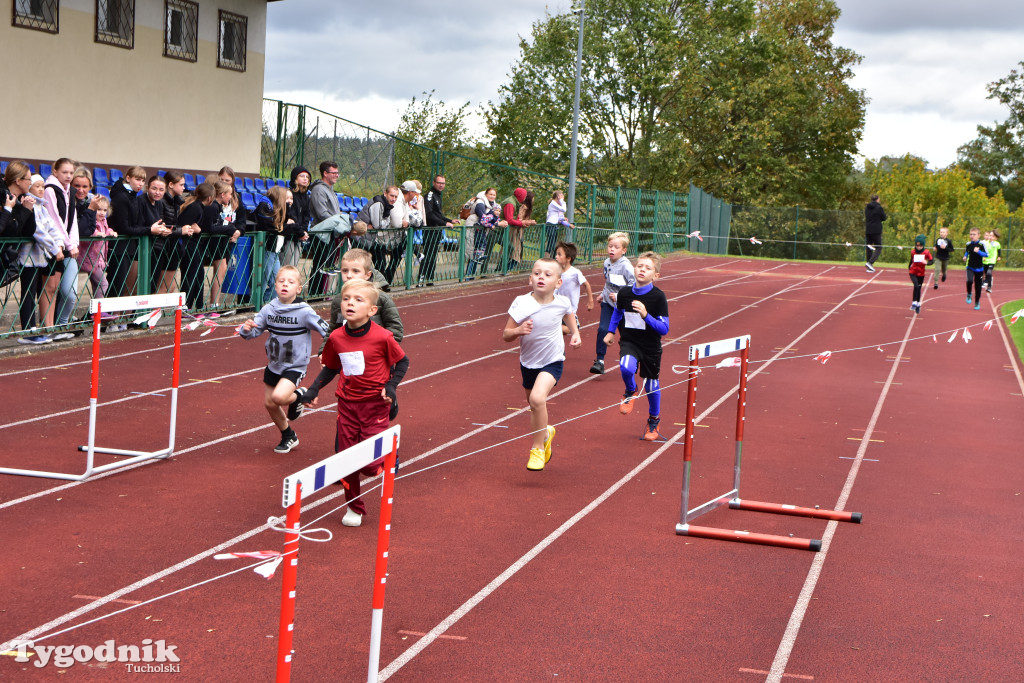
<point>890,16</point>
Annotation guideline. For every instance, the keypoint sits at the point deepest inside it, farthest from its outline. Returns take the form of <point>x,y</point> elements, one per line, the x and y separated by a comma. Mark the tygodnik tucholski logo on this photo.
<point>150,657</point>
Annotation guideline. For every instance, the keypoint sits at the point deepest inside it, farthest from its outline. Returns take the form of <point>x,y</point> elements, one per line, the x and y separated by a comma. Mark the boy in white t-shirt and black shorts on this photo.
<point>572,280</point>
<point>535,319</point>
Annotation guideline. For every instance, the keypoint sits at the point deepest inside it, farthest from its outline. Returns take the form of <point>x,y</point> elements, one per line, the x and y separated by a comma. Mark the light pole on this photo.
<point>571,199</point>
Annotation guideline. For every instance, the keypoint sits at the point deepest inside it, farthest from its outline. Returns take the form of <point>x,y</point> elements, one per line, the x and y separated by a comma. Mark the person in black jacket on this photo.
<point>127,220</point>
<point>874,215</point>
<point>165,270</point>
<point>298,212</point>
<point>432,235</point>
<point>18,221</point>
<point>152,206</point>
<point>193,219</point>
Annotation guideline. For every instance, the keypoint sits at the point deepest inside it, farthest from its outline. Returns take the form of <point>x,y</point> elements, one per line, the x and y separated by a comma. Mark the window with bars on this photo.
<point>181,25</point>
<point>115,22</point>
<point>42,15</point>
<point>231,41</point>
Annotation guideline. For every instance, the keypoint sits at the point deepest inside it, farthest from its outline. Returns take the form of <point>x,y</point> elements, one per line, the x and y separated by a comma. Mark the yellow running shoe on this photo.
<point>536,462</point>
<point>547,443</point>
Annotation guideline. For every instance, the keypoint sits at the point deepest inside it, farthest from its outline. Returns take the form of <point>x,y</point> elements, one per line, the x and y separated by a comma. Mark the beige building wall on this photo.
<point>67,95</point>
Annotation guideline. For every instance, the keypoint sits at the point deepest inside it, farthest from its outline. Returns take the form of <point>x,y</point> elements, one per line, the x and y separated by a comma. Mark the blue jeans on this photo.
<point>271,264</point>
<point>602,330</point>
<point>67,297</point>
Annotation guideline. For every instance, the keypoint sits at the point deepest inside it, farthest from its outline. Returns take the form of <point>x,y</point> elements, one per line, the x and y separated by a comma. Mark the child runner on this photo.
<point>974,253</point>
<point>643,310</point>
<point>372,364</point>
<point>943,249</point>
<point>920,259</point>
<point>572,279</point>
<point>618,273</point>
<point>534,319</point>
<point>993,248</point>
<point>357,264</point>
<point>289,321</point>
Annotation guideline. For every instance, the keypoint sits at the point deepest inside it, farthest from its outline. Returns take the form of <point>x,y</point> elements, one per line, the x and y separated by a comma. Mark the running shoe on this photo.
<point>289,440</point>
<point>296,406</point>
<point>968,298</point>
<point>652,432</point>
<point>61,336</point>
<point>936,286</point>
<point>626,407</point>
<point>351,518</point>
<point>536,461</point>
<point>870,268</point>
<point>547,443</point>
<point>597,368</point>
<point>38,339</point>
<point>977,307</point>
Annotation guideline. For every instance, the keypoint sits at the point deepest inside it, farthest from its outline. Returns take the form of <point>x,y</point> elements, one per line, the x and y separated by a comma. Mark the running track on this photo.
<point>575,573</point>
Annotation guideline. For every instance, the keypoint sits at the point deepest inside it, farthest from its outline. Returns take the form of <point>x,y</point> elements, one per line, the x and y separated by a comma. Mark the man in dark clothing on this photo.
<point>874,214</point>
<point>436,222</point>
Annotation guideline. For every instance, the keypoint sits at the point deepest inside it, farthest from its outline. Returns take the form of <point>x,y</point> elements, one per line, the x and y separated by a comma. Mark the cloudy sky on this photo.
<point>925,63</point>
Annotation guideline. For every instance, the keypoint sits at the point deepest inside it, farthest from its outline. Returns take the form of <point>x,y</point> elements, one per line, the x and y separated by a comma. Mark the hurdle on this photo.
<point>732,498</point>
<point>114,305</point>
<point>310,480</point>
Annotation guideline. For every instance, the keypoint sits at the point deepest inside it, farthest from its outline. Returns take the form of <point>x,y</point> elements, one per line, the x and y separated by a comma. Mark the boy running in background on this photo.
<point>974,253</point>
<point>572,279</point>
<point>357,264</point>
<point>371,364</point>
<point>920,259</point>
<point>289,321</point>
<point>535,319</point>
<point>618,273</point>
<point>942,251</point>
<point>992,247</point>
<point>641,316</point>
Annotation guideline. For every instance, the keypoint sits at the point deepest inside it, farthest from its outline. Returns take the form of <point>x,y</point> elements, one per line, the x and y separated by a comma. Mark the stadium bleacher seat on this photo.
<point>32,168</point>
<point>248,201</point>
<point>363,201</point>
<point>353,217</point>
<point>263,199</point>
<point>3,167</point>
<point>161,172</point>
<point>103,191</point>
<point>240,186</point>
<point>250,186</point>
<point>116,175</point>
<point>346,204</point>
<point>261,185</point>
<point>282,182</point>
<point>200,179</point>
<point>100,177</point>
<point>45,170</point>
<point>190,182</point>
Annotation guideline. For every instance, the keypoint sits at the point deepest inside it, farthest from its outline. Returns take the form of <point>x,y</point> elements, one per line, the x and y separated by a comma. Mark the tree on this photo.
<point>747,98</point>
<point>995,158</point>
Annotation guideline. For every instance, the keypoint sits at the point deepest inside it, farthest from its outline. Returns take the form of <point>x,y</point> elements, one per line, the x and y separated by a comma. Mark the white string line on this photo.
<point>468,605</point>
<point>185,563</point>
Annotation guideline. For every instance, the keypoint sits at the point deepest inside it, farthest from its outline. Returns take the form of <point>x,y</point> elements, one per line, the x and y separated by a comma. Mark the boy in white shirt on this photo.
<point>535,319</point>
<point>572,280</point>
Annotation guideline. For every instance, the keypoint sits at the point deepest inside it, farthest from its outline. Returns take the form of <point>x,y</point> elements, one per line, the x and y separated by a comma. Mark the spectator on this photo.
<point>59,203</point>
<point>16,221</point>
<point>273,219</point>
<point>487,217</point>
<point>327,222</point>
<point>377,216</point>
<point>193,219</point>
<point>38,259</point>
<point>228,225</point>
<point>516,211</point>
<point>126,219</point>
<point>407,213</point>
<point>874,216</point>
<point>169,260</point>
<point>298,212</point>
<point>94,256</point>
<point>432,237</point>
<point>152,208</point>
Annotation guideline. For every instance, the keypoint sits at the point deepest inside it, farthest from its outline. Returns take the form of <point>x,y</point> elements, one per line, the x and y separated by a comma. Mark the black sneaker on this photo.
<point>597,368</point>
<point>297,406</point>
<point>289,440</point>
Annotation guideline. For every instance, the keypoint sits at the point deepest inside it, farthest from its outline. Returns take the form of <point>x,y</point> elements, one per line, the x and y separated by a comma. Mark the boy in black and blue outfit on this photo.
<point>974,254</point>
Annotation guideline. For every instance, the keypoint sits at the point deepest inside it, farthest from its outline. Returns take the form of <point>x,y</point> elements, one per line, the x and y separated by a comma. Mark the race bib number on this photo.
<point>919,258</point>
<point>617,279</point>
<point>634,321</point>
<point>522,308</point>
<point>352,363</point>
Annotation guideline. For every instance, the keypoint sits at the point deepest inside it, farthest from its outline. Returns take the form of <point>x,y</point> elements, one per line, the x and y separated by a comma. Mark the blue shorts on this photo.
<point>530,374</point>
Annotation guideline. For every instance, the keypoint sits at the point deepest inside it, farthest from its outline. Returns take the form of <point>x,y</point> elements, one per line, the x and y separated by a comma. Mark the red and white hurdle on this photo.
<point>115,305</point>
<point>732,498</point>
<point>309,481</point>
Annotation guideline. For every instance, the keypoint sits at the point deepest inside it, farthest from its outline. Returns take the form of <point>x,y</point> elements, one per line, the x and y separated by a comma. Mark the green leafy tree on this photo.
<point>747,98</point>
<point>995,158</point>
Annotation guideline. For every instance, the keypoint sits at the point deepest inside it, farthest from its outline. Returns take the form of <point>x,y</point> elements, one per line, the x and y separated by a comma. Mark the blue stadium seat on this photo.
<point>248,201</point>
<point>249,185</point>
<point>239,185</point>
<point>116,175</point>
<point>341,200</point>
<point>99,175</point>
<point>353,217</point>
<point>346,205</point>
<point>261,185</point>
<point>363,201</point>
<point>32,168</point>
<point>190,182</point>
<point>103,191</point>
<point>161,173</point>
<point>200,179</point>
<point>265,200</point>
<point>3,167</point>
<point>282,182</point>
<point>45,170</point>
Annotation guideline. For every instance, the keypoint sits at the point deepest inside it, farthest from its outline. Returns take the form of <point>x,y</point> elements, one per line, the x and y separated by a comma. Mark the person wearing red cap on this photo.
<point>516,210</point>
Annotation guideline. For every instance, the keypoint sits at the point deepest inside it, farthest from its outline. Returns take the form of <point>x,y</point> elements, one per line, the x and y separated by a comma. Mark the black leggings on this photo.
<point>918,280</point>
<point>975,278</point>
<point>875,241</point>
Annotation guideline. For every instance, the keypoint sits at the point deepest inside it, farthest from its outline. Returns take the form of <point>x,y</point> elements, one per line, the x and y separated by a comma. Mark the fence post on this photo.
<point>796,229</point>
<point>145,280</point>
<point>300,138</point>
<point>280,139</point>
<point>654,227</point>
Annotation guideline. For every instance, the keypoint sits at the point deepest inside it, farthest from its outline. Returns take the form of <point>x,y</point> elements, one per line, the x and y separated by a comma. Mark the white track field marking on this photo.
<point>59,621</point>
<point>487,590</point>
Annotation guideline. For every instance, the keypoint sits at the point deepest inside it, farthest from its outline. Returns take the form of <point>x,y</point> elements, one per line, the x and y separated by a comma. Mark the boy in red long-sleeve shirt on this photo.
<point>920,259</point>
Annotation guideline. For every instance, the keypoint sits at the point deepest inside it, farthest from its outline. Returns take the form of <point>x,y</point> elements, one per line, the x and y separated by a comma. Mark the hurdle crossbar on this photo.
<point>313,479</point>
<point>732,498</point>
<point>114,305</point>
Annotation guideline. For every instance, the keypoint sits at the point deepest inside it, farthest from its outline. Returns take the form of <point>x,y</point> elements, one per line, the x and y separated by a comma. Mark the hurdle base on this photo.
<point>796,511</point>
<point>812,544</point>
<point>162,453</point>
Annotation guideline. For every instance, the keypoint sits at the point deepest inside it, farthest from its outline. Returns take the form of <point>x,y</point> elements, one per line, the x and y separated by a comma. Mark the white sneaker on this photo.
<point>870,268</point>
<point>351,518</point>
<point>61,336</point>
